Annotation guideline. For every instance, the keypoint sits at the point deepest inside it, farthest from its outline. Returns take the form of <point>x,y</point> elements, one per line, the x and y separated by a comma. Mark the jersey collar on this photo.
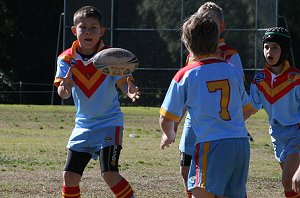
<point>285,67</point>
<point>221,42</point>
<point>205,57</point>
<point>75,45</point>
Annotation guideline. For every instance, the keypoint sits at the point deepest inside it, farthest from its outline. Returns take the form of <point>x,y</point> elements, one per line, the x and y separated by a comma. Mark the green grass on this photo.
<point>33,150</point>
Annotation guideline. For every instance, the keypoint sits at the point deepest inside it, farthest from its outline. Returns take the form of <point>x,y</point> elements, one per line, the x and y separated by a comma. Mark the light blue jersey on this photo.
<point>201,85</point>
<point>98,111</point>
<point>279,95</point>
<point>94,93</point>
<point>226,53</point>
<point>214,94</point>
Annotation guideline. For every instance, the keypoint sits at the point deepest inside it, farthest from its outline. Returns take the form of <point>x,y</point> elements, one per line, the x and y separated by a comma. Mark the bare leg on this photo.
<point>111,178</point>
<point>184,173</point>
<point>202,193</point>
<point>71,179</point>
<point>289,168</point>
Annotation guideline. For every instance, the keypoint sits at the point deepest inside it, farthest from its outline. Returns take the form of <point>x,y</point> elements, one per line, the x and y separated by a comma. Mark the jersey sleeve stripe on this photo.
<point>169,115</point>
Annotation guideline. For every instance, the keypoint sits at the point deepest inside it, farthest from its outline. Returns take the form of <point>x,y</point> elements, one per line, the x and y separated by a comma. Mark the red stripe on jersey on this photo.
<point>88,78</point>
<point>226,47</point>
<point>283,84</point>
<point>226,52</point>
<point>117,135</point>
<point>178,76</point>
<point>67,52</point>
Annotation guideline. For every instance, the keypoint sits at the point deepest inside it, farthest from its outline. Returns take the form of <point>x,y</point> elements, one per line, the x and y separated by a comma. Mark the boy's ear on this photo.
<point>102,30</point>
<point>73,29</point>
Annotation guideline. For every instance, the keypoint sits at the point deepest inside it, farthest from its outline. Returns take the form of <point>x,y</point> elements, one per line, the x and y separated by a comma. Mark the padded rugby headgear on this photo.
<point>282,37</point>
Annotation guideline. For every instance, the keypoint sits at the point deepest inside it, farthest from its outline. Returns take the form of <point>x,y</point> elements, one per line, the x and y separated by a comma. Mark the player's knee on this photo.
<point>111,178</point>
<point>107,175</point>
<point>71,178</point>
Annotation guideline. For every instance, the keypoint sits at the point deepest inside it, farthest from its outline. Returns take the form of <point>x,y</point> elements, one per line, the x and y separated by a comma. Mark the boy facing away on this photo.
<point>99,121</point>
<point>225,52</point>
<point>277,90</point>
<point>214,94</point>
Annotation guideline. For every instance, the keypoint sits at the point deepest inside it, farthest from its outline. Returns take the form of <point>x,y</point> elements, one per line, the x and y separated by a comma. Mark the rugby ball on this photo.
<point>115,61</point>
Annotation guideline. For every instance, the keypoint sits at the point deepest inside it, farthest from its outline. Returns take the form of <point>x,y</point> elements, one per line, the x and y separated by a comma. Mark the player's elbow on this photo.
<point>247,114</point>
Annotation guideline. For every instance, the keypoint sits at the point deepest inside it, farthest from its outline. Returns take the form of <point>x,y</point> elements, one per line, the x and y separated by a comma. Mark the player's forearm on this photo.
<point>124,88</point>
<point>167,126</point>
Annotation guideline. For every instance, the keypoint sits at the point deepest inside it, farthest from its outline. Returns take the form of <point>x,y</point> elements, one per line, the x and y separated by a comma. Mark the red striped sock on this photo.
<point>292,194</point>
<point>70,192</point>
<point>189,193</point>
<point>123,189</point>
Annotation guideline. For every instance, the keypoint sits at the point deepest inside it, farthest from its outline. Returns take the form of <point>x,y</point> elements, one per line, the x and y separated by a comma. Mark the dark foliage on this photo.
<point>29,38</point>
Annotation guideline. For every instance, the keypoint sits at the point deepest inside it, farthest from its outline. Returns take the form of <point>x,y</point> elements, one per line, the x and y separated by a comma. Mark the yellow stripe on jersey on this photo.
<point>87,82</point>
<point>273,91</point>
<point>169,115</point>
<point>57,81</point>
<point>204,164</point>
<point>65,57</point>
<point>249,107</point>
<point>231,52</point>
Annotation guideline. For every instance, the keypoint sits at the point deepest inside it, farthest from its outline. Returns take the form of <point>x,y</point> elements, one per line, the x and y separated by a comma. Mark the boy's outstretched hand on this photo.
<point>133,91</point>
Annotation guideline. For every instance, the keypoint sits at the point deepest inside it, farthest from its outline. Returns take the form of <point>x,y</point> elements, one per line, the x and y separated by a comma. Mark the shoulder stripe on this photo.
<point>178,76</point>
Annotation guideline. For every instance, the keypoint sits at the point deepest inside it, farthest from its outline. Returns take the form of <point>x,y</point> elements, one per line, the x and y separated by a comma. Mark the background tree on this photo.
<point>29,29</point>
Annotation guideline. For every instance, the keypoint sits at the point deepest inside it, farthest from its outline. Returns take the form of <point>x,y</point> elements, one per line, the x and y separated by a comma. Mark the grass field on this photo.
<point>33,152</point>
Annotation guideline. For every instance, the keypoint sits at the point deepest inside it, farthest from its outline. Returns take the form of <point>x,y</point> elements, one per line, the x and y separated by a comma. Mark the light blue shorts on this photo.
<point>188,138</point>
<point>92,140</point>
<point>285,140</point>
<point>221,167</point>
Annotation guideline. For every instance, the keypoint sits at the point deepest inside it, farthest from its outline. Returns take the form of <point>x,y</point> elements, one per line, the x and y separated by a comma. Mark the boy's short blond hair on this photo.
<point>200,35</point>
<point>212,10</point>
<point>86,12</point>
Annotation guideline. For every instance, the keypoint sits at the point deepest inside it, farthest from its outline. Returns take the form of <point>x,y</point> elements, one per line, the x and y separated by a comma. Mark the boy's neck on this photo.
<point>204,56</point>
<point>277,70</point>
<point>86,52</point>
<point>86,57</point>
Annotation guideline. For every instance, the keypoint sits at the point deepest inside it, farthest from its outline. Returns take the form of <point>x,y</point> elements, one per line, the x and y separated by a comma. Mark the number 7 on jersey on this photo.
<point>224,87</point>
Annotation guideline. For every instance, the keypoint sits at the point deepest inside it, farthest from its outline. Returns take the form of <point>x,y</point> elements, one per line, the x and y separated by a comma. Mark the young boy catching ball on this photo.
<point>99,121</point>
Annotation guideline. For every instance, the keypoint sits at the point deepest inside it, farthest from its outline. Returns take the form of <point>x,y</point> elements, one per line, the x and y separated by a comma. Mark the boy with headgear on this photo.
<point>277,90</point>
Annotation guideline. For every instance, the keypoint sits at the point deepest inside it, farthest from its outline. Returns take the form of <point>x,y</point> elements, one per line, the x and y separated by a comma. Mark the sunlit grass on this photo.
<point>33,152</point>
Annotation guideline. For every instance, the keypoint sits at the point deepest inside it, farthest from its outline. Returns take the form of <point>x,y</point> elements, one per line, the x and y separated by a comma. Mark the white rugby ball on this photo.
<point>115,61</point>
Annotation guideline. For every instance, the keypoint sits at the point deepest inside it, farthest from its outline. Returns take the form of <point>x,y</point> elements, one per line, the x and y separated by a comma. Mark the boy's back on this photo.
<point>204,86</point>
<point>214,94</point>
